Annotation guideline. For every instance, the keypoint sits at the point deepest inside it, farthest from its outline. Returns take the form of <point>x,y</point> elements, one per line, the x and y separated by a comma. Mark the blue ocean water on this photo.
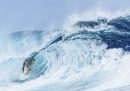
<point>94,57</point>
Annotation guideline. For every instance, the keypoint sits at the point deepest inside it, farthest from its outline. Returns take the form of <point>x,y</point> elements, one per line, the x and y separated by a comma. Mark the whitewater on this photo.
<point>90,55</point>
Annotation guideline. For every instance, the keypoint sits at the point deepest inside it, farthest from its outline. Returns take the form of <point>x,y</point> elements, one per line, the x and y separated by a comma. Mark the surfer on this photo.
<point>27,65</point>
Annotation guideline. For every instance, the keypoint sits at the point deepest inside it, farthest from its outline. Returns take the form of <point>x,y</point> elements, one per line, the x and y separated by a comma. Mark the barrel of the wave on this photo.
<point>27,66</point>
<point>29,61</point>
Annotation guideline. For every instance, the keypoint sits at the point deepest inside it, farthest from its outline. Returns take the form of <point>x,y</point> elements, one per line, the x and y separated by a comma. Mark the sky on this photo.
<point>17,15</point>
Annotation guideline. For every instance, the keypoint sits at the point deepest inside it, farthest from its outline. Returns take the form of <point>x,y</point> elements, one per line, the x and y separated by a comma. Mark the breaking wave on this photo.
<point>94,56</point>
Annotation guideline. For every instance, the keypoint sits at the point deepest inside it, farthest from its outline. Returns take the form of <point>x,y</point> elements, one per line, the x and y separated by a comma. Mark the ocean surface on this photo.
<point>89,55</point>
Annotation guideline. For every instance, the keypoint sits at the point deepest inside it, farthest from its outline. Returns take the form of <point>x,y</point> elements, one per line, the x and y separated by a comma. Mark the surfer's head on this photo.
<point>27,65</point>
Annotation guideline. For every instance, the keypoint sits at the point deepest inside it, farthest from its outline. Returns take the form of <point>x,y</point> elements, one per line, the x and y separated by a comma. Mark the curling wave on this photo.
<point>93,58</point>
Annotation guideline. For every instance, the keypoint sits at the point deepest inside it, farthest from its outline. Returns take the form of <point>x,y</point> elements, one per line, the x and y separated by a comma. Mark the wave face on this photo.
<point>94,57</point>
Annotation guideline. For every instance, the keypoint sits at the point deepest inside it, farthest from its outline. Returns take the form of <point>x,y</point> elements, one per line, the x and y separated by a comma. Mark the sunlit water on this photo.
<point>94,56</point>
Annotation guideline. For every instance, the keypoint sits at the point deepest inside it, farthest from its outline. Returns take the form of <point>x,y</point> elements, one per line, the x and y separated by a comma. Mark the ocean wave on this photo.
<point>93,57</point>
